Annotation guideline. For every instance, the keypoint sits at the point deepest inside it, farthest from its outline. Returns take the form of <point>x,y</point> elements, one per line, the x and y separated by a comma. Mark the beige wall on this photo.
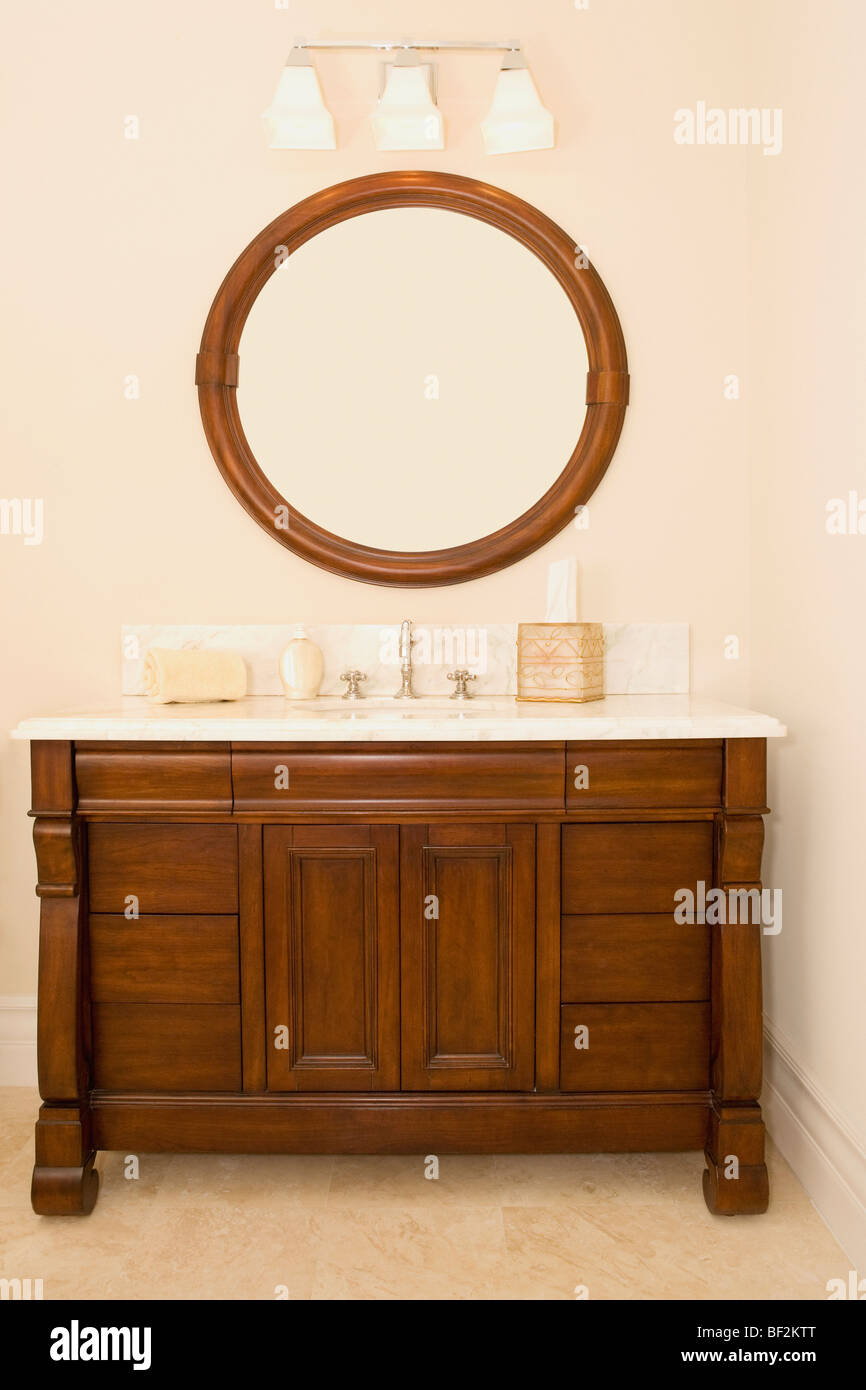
<point>117,249</point>
<point>808,432</point>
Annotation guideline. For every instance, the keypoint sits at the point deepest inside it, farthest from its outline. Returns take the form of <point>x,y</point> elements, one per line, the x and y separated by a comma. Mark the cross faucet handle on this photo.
<point>353,678</point>
<point>460,677</point>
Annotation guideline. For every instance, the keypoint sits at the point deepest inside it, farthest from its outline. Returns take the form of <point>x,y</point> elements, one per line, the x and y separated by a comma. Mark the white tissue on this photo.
<point>562,591</point>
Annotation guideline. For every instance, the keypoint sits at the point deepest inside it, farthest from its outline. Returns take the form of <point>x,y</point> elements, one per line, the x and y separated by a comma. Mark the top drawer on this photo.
<point>168,868</point>
<point>632,776</point>
<point>158,777</point>
<point>374,777</point>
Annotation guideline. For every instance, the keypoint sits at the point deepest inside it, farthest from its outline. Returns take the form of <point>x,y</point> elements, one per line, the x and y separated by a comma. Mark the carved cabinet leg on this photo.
<point>735,1180</point>
<point>64,1180</point>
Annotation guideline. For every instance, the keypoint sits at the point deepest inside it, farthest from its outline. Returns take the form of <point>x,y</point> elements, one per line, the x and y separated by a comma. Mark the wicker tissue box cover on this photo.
<point>560,661</point>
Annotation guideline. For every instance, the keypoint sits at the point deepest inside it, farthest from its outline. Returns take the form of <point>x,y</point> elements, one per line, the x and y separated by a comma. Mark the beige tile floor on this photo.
<point>630,1226</point>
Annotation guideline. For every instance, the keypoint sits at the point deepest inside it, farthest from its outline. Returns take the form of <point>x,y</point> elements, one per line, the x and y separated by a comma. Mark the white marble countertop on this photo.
<point>498,718</point>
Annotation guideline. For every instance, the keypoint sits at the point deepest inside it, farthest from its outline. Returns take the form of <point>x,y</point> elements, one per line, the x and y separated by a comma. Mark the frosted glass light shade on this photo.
<point>406,117</point>
<point>517,119</point>
<point>298,118</point>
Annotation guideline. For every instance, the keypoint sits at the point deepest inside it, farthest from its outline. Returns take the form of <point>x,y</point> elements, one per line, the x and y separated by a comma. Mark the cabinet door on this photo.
<point>468,957</point>
<point>332,957</point>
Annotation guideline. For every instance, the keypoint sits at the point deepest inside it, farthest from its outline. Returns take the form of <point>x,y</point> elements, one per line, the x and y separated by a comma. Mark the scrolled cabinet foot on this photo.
<point>65,1191</point>
<point>746,1195</point>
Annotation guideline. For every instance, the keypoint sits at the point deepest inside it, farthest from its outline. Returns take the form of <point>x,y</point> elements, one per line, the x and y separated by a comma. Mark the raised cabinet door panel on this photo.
<point>468,957</point>
<point>332,957</point>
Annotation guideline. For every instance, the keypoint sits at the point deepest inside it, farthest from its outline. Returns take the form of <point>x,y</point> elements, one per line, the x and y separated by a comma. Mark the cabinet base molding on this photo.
<point>402,1123</point>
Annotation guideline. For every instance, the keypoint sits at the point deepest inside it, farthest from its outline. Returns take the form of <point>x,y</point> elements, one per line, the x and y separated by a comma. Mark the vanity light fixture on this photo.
<point>297,118</point>
<point>406,116</point>
<point>517,119</point>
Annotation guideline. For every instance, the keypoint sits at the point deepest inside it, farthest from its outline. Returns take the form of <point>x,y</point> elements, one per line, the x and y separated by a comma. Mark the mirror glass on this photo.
<point>412,379</point>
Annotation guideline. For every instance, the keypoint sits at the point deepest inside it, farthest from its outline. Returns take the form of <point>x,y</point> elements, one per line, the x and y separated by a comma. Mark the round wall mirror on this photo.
<point>412,379</point>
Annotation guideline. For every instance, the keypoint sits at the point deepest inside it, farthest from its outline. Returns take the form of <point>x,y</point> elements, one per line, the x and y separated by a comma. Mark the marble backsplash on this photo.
<point>640,658</point>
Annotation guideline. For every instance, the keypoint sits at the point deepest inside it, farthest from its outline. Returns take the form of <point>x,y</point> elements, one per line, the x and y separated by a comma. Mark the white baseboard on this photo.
<point>17,1040</point>
<point>827,1156</point>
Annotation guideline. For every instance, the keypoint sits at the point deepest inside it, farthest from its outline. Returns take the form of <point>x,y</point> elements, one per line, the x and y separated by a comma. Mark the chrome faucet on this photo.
<point>407,642</point>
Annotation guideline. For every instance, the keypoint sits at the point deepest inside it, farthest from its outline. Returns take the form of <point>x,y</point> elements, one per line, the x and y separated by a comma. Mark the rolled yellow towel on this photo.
<point>184,677</point>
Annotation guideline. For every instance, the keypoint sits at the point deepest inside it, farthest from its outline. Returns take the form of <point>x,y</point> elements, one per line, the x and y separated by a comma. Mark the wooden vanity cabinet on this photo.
<point>396,948</point>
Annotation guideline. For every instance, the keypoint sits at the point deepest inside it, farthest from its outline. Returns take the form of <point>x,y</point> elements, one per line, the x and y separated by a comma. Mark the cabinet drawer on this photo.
<point>636,1047</point>
<point>166,1047</point>
<point>380,776</point>
<point>169,868</point>
<point>633,868</point>
<point>153,777</point>
<point>643,775</point>
<point>624,956</point>
<point>164,960</point>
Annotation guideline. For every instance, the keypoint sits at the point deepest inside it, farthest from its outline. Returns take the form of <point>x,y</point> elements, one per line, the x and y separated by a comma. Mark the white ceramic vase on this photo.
<point>302,667</point>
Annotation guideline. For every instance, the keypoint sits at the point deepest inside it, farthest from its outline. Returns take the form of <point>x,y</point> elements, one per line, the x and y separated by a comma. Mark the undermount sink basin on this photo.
<point>386,704</point>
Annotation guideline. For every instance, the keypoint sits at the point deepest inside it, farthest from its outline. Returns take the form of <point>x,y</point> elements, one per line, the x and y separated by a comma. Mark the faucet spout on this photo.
<point>407,642</point>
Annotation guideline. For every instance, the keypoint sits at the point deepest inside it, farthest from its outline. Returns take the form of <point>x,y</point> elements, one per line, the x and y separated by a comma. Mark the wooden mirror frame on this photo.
<point>606,383</point>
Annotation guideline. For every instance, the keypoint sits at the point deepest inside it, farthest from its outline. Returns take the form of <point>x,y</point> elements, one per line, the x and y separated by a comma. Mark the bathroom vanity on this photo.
<point>440,930</point>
